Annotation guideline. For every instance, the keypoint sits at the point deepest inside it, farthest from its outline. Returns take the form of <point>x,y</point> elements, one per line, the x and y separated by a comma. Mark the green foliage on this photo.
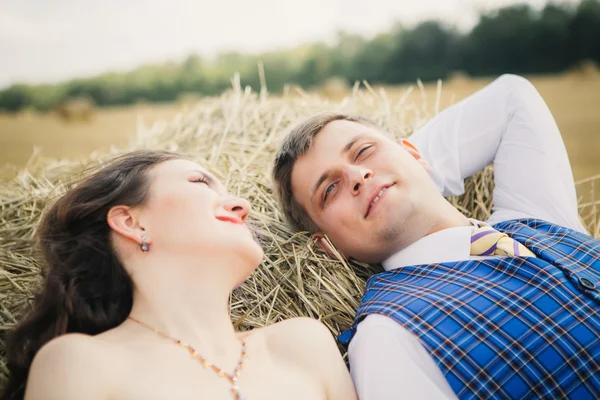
<point>584,32</point>
<point>428,52</point>
<point>16,97</point>
<point>513,39</point>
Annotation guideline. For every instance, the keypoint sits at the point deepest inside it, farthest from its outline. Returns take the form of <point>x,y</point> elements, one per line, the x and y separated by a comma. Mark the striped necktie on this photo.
<point>486,241</point>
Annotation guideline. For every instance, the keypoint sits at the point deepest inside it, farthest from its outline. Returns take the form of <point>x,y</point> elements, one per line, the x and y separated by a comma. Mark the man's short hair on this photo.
<point>295,144</point>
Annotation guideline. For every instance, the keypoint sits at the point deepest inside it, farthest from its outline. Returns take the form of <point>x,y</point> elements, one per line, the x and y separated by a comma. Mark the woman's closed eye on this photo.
<point>202,179</point>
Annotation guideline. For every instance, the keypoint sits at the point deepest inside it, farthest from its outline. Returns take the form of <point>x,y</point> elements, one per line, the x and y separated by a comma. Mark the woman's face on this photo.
<point>189,212</point>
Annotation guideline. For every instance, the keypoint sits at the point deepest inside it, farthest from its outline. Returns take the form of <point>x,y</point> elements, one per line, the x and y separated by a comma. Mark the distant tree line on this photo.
<point>515,39</point>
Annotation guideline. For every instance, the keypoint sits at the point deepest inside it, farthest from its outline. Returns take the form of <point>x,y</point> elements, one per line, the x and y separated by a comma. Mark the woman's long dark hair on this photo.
<point>86,288</point>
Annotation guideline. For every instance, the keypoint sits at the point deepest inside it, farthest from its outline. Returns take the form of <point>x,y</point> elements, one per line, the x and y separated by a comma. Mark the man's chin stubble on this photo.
<point>390,234</point>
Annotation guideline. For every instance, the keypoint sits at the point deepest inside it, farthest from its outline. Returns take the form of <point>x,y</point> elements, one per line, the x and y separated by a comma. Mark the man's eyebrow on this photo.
<point>351,143</point>
<point>326,174</point>
<point>321,179</point>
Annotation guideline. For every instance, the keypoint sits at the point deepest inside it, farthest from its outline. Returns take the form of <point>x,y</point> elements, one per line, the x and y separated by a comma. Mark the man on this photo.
<point>462,309</point>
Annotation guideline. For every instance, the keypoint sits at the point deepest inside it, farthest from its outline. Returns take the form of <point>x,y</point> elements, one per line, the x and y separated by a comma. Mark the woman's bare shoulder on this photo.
<point>311,345</point>
<point>301,325</point>
<point>302,338</point>
<point>73,347</point>
<point>71,366</point>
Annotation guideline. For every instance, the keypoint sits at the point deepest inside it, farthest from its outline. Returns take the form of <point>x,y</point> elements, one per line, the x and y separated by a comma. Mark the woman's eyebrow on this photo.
<point>204,173</point>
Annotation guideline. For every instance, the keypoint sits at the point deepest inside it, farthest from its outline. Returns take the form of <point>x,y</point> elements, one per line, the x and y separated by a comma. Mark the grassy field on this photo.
<point>574,101</point>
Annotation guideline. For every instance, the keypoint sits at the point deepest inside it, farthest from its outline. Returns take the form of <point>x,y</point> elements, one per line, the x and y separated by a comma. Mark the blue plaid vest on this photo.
<point>504,327</point>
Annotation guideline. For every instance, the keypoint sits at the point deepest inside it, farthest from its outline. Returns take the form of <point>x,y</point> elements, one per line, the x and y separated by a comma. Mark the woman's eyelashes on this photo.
<point>202,179</point>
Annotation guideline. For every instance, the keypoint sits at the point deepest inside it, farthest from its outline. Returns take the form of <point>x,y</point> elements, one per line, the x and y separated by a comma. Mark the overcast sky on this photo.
<point>53,40</point>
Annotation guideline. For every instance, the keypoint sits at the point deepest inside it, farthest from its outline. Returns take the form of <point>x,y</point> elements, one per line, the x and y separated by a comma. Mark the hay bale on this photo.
<point>75,109</point>
<point>335,87</point>
<point>235,136</point>
<point>27,114</point>
<point>458,79</point>
<point>584,70</point>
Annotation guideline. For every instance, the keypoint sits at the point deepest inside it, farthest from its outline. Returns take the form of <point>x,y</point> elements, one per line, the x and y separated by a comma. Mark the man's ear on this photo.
<point>413,151</point>
<point>123,221</point>
<point>327,246</point>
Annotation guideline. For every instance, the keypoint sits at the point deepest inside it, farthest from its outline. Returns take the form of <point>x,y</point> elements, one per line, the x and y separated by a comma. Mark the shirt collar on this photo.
<point>447,245</point>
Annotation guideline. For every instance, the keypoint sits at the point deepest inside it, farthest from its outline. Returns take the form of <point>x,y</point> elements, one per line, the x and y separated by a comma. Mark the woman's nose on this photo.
<point>240,207</point>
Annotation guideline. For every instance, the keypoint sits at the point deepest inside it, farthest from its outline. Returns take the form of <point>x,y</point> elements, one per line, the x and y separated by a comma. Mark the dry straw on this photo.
<point>235,136</point>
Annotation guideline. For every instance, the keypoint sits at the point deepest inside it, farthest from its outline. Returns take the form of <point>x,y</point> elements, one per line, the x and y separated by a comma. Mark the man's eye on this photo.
<point>362,150</point>
<point>328,191</point>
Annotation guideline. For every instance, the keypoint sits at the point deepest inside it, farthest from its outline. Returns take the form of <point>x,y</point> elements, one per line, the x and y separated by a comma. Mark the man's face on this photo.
<point>366,192</point>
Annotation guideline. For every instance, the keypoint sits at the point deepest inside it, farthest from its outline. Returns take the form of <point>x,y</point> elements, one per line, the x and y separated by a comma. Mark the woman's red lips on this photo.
<point>228,218</point>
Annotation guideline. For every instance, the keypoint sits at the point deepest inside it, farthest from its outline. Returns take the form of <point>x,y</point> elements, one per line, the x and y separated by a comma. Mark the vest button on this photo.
<point>586,283</point>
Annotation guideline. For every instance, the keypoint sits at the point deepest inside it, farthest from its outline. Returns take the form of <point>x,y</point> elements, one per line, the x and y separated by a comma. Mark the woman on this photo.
<point>142,257</point>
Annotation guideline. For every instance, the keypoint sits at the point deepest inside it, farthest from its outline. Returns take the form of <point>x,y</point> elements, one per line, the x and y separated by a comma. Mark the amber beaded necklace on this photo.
<point>232,378</point>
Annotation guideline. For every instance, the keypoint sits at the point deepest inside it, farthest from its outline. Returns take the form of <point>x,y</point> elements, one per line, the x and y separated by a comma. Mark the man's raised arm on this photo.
<point>507,123</point>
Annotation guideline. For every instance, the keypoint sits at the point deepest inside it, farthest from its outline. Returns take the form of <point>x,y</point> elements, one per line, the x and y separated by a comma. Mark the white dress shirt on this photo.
<point>506,123</point>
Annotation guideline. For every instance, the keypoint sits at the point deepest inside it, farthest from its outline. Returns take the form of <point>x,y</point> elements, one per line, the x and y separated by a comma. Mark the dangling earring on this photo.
<point>144,246</point>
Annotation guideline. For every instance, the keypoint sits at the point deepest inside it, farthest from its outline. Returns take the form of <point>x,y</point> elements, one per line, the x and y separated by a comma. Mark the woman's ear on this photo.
<point>123,221</point>
<point>325,245</point>
<point>413,151</point>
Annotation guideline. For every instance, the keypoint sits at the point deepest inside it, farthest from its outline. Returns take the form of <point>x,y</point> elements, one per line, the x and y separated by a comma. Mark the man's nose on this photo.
<point>357,175</point>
